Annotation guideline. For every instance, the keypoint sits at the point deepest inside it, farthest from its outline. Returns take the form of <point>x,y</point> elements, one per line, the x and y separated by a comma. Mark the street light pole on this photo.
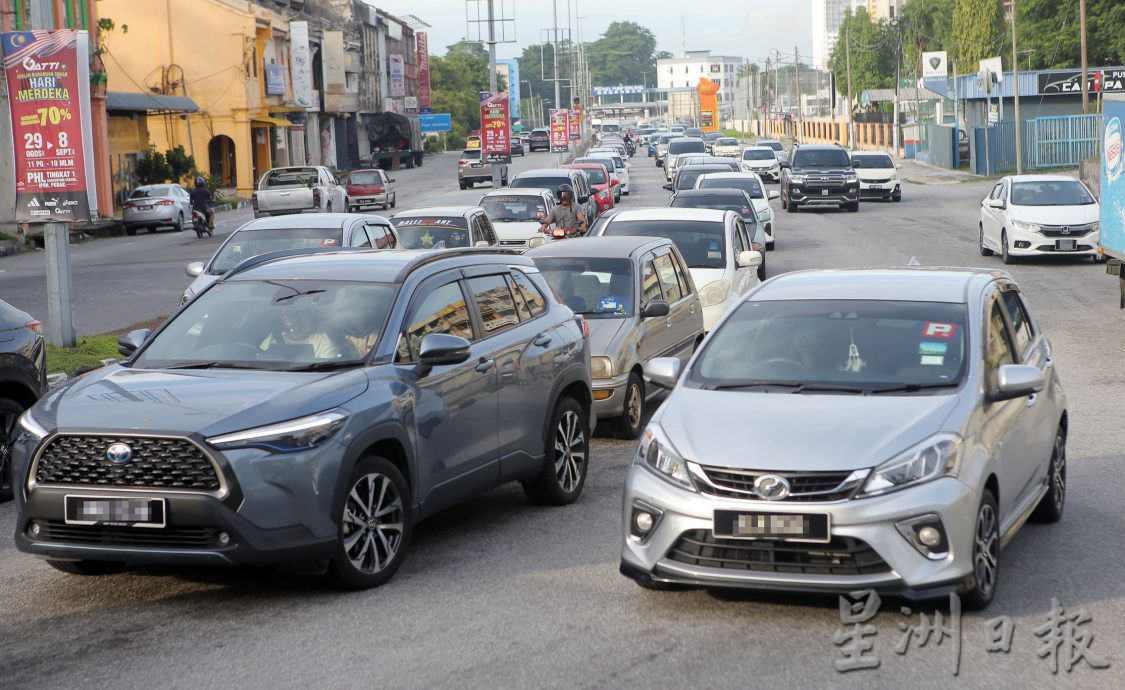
<point>497,178</point>
<point>848,56</point>
<point>1016,94</point>
<point>1082,30</point>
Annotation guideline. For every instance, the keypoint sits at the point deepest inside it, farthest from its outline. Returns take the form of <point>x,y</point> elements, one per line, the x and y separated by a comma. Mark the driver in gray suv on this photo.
<point>311,406</point>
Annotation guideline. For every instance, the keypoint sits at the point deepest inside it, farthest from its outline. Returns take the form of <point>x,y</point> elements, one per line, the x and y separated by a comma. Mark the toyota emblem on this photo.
<point>771,487</point>
<point>119,453</point>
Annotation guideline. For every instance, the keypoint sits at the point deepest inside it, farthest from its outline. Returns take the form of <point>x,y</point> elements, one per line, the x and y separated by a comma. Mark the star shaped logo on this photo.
<point>427,240</point>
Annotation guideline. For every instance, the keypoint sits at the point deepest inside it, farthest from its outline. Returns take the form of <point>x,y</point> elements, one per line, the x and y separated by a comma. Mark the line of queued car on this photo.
<point>312,400</point>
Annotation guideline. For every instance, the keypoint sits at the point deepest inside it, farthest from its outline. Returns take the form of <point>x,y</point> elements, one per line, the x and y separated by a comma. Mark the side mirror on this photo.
<point>663,371</point>
<point>615,182</point>
<point>583,199</point>
<point>441,348</point>
<point>132,341</point>
<point>669,187</point>
<point>390,179</point>
<point>194,269</point>
<point>773,195</point>
<point>898,166</point>
<point>655,308</point>
<point>1017,381</point>
<point>482,243</point>
<point>536,242</point>
<point>997,203</point>
<point>749,259</point>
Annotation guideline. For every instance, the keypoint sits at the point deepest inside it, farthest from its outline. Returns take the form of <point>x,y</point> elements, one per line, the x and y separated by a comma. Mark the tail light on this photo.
<point>254,200</point>
<point>165,202</point>
<point>316,198</point>
<point>128,204</point>
<point>463,161</point>
<point>581,321</point>
<point>35,327</point>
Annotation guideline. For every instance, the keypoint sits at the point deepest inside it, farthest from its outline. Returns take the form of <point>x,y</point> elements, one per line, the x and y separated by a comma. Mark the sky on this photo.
<point>738,28</point>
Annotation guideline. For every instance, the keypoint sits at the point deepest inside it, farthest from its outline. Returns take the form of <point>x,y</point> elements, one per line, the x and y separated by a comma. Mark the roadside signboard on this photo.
<point>1061,82</point>
<point>49,93</point>
<point>431,123</point>
<point>423,42</point>
<point>560,130</point>
<point>495,127</point>
<point>619,90</point>
<point>574,125</point>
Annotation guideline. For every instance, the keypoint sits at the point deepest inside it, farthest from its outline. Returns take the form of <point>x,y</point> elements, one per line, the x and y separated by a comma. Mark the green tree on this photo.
<point>625,54</point>
<point>873,54</point>
<point>455,81</point>
<point>537,61</point>
<point>1050,28</point>
<point>927,26</point>
<point>979,31</point>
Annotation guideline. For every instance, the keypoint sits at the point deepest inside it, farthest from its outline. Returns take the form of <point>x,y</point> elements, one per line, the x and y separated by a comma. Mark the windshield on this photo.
<point>551,183</point>
<point>700,242</point>
<point>607,129</point>
<point>871,160</point>
<point>296,177</point>
<point>758,155</point>
<point>244,244</point>
<point>726,141</point>
<point>775,145</point>
<point>1051,193</point>
<point>597,288</point>
<point>746,184</point>
<point>823,158</point>
<point>856,345</point>
<point>147,192</point>
<point>595,175</point>
<point>275,324</point>
<point>365,177</point>
<point>694,146</point>
<point>514,208</point>
<point>426,233</point>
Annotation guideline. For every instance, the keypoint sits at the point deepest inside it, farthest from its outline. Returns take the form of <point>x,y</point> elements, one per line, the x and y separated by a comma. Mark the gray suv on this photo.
<point>311,406</point>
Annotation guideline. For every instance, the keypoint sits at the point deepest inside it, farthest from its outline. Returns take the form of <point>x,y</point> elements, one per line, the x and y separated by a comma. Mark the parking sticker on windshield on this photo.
<point>928,348</point>
<point>932,360</point>
<point>609,304</point>
<point>937,329</point>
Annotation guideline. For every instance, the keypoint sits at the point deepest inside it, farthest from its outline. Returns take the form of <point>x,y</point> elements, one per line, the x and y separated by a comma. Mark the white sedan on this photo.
<point>1034,215</point>
<point>878,176</point>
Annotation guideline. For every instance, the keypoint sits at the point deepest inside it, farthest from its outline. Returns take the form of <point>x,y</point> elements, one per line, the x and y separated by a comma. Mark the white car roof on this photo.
<point>519,191</point>
<point>437,211</point>
<point>1042,178</point>
<point>757,148</point>
<point>667,213</point>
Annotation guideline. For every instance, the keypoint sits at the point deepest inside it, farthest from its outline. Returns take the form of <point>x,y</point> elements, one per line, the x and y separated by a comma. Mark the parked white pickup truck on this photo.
<point>297,189</point>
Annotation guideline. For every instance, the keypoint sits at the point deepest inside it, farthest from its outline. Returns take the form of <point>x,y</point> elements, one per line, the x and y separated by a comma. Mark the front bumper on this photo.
<point>1024,243</point>
<point>801,195</point>
<point>869,520</point>
<point>612,406</point>
<point>369,200</point>
<point>879,190</point>
<point>767,175</point>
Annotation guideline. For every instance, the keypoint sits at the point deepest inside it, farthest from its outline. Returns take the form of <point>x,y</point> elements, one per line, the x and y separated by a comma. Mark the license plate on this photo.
<point>810,527</point>
<point>824,192</point>
<point>144,208</point>
<point>1066,245</point>
<point>475,165</point>
<point>875,186</point>
<point>114,512</point>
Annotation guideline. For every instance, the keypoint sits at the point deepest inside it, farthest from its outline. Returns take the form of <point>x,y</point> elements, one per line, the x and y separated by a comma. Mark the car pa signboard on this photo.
<point>560,129</point>
<point>573,126</point>
<point>1070,81</point>
<point>495,127</point>
<point>49,98</point>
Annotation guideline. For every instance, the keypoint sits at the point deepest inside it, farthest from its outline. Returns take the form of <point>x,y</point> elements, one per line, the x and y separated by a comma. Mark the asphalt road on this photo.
<point>497,593</point>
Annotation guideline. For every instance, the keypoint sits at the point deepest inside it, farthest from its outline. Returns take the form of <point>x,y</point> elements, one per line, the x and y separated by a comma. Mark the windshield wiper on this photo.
<point>744,385</point>
<point>327,366</point>
<point>913,387</point>
<point>215,365</point>
<point>298,294</point>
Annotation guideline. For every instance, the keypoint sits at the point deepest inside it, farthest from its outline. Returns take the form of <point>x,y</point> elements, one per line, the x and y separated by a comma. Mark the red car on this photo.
<point>600,182</point>
<point>367,188</point>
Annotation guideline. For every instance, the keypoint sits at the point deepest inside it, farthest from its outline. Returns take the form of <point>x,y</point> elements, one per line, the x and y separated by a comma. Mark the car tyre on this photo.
<point>790,207</point>
<point>1050,508</point>
<point>984,251</point>
<point>10,412</point>
<point>567,452</point>
<point>375,525</point>
<point>897,198</point>
<point>130,231</point>
<point>632,419</point>
<point>461,185</point>
<point>853,207</point>
<point>178,226</point>
<point>770,245</point>
<point>91,568</point>
<point>986,555</point>
<point>394,199</point>
<point>1004,255</point>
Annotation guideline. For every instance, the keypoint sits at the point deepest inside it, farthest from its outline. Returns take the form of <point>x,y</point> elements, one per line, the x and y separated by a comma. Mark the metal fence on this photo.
<point>1054,142</point>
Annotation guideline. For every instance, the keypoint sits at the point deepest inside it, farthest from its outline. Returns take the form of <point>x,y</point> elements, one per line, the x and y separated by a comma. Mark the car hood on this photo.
<point>760,164</point>
<point>820,170</point>
<point>603,333</point>
<point>211,401</point>
<point>201,283</point>
<point>876,173</point>
<point>510,231</point>
<point>702,277</point>
<point>1054,215</point>
<point>806,432</point>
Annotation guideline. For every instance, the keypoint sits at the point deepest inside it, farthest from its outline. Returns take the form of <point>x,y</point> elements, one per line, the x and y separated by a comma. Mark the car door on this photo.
<point>1002,422</point>
<point>388,186</point>
<point>654,337</point>
<point>990,216</point>
<point>677,339</point>
<point>382,236</point>
<point>689,326</point>
<point>183,200</point>
<point>455,406</point>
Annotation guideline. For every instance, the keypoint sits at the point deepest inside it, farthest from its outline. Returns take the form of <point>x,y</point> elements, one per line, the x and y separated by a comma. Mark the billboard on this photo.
<point>49,95</point>
<point>332,57</point>
<point>1070,81</point>
<point>560,130</point>
<point>398,76</point>
<point>935,71</point>
<point>510,70</point>
<point>619,90</point>
<point>300,64</point>
<point>432,123</point>
<point>495,127</point>
<point>574,125</point>
<point>423,41</point>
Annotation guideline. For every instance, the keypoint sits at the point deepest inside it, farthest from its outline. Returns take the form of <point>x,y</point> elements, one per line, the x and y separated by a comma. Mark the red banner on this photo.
<point>423,42</point>
<point>560,129</point>
<point>574,126</point>
<point>48,90</point>
<point>495,127</point>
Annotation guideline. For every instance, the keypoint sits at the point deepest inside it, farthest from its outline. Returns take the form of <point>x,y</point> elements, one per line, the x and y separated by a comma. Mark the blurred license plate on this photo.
<point>875,186</point>
<point>824,192</point>
<point>760,525</point>
<point>116,512</point>
<point>144,208</point>
<point>1066,245</point>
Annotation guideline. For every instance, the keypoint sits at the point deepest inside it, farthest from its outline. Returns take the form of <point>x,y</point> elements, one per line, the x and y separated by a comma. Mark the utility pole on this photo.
<point>1016,94</point>
<point>558,92</point>
<point>497,178</point>
<point>895,128</point>
<point>1082,30</point>
<point>848,55</point>
<point>797,77</point>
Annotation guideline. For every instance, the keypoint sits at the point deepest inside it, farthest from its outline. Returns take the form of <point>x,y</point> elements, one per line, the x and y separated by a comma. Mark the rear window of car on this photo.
<point>471,154</point>
<point>365,177</point>
<point>297,177</point>
<point>149,192</point>
<point>596,176</point>
<point>431,232</point>
<point>245,244</point>
<point>726,141</point>
<point>725,202</point>
<point>775,145</point>
<point>551,183</point>
<point>700,242</point>
<point>746,184</point>
<point>694,146</point>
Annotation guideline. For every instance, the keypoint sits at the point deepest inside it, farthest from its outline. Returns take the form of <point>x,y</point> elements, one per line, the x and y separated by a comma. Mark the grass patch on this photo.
<point>89,352</point>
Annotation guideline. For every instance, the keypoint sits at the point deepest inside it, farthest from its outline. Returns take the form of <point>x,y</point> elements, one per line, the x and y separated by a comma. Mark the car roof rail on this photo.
<point>284,254</point>
<point>439,254</point>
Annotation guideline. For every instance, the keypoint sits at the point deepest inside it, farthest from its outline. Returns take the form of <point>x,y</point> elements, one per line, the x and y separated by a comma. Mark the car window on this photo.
<point>532,298</point>
<point>443,310</point>
<point>360,237</point>
<point>1021,324</point>
<point>700,242</point>
<point>1051,193</point>
<point>495,303</point>
<point>999,346</point>
<point>667,272</point>
<point>381,236</point>
<point>245,244</point>
<point>650,283</point>
<point>996,191</point>
<point>739,241</point>
<point>428,232</point>
<point>681,275</point>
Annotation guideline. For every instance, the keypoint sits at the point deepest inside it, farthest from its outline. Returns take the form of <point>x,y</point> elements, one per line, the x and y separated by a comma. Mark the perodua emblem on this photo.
<point>771,487</point>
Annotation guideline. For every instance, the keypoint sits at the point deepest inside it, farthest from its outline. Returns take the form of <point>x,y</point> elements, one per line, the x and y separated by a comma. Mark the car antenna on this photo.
<point>913,263</point>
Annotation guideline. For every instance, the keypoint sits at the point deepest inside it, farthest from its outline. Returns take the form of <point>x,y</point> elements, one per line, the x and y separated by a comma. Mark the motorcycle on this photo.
<point>561,233</point>
<point>199,224</point>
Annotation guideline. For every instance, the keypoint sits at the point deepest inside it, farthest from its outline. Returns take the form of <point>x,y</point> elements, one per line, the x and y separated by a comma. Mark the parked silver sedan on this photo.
<point>846,430</point>
<point>640,303</point>
<point>157,205</point>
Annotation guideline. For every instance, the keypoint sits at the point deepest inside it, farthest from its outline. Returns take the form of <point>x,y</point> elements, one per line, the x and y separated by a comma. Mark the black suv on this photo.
<point>819,174</point>
<point>539,140</point>
<point>23,378</point>
<point>311,407</point>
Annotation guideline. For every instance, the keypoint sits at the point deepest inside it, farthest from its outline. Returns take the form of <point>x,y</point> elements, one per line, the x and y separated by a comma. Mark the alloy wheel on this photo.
<point>634,406</point>
<point>373,523</point>
<point>570,451</point>
<point>986,548</point>
<point>1058,472</point>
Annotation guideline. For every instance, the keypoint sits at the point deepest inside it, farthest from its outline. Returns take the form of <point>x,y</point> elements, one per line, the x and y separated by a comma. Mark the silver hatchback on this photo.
<point>844,430</point>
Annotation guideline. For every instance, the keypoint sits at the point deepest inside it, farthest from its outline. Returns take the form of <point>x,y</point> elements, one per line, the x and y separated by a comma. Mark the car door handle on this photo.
<point>1032,398</point>
<point>542,340</point>
<point>668,322</point>
<point>1049,362</point>
<point>485,365</point>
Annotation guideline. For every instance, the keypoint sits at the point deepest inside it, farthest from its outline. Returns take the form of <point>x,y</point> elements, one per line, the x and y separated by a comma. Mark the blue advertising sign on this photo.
<point>275,80</point>
<point>619,90</point>
<point>1112,182</point>
<point>435,122</point>
<point>510,70</point>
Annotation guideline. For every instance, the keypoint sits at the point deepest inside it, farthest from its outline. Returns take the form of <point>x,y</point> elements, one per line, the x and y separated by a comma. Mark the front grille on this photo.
<point>513,243</point>
<point>841,556</point>
<point>803,486</point>
<point>878,181</point>
<point>1072,231</point>
<point>175,537</point>
<point>157,463</point>
<point>1051,248</point>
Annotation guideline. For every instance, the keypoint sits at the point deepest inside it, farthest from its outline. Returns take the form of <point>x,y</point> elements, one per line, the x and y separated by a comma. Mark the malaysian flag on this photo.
<point>41,43</point>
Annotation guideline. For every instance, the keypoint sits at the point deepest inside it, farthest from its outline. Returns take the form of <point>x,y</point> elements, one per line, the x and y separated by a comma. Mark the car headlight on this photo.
<point>766,214</point>
<point>937,456</point>
<point>601,367</point>
<point>296,434</point>
<point>1025,227</point>
<point>850,179</point>
<point>798,179</point>
<point>657,453</point>
<point>714,293</point>
<point>1094,227</point>
<point>31,427</point>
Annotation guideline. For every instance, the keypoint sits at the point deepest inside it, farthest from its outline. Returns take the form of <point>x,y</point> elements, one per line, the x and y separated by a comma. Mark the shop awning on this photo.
<point>266,121</point>
<point>148,103</point>
<point>905,94</point>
